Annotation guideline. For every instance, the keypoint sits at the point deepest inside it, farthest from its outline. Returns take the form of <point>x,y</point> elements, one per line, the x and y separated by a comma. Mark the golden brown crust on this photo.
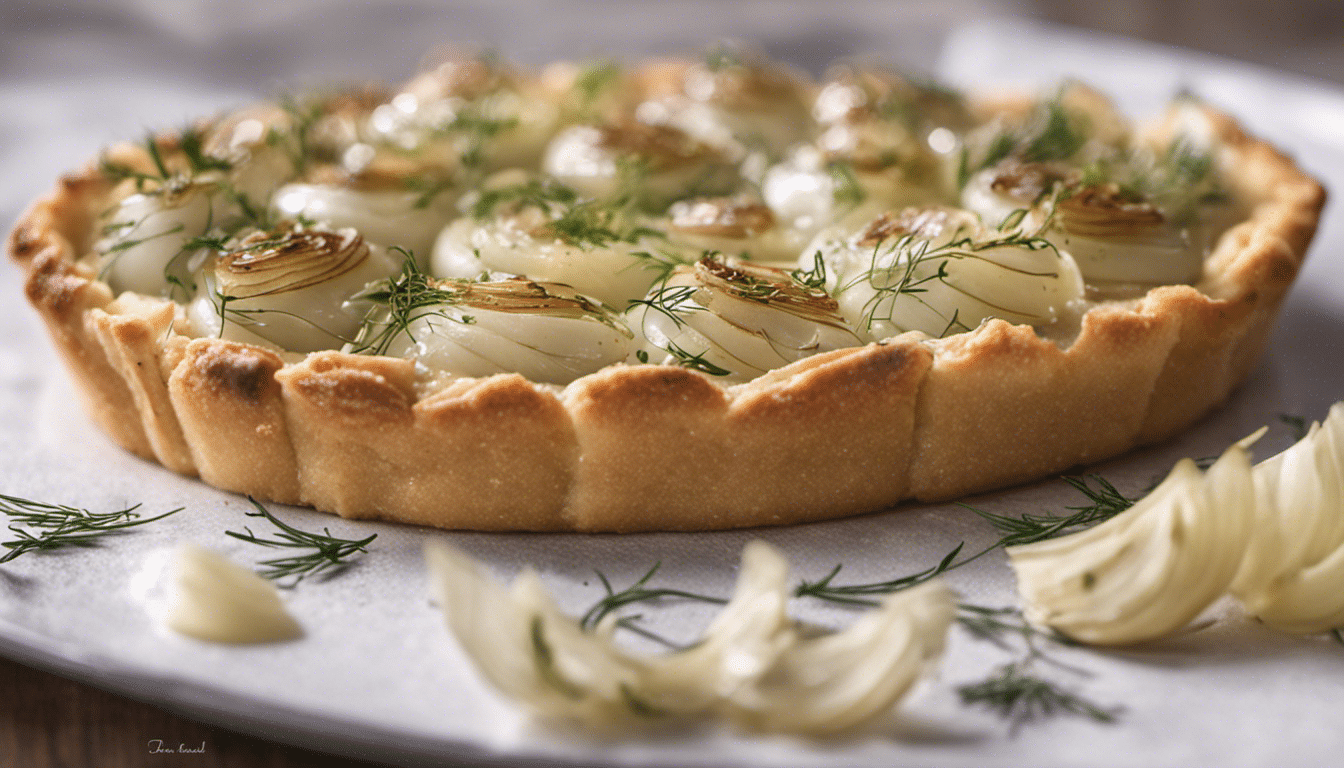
<point>826,437</point>
<point>491,454</point>
<point>656,448</point>
<point>1002,405</point>
<point>232,415</point>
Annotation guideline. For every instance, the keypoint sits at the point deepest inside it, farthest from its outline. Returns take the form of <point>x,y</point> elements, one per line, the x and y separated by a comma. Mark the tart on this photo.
<point>680,295</point>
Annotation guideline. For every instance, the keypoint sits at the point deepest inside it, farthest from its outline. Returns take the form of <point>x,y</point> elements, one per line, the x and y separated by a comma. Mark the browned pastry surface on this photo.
<point>646,447</point>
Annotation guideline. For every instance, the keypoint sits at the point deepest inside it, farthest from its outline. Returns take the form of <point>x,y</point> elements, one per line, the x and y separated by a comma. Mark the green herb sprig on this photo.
<point>1019,696</point>
<point>1298,424</point>
<point>397,304</point>
<point>637,592</point>
<point>42,527</point>
<point>909,276</point>
<point>329,553</point>
<point>1105,502</point>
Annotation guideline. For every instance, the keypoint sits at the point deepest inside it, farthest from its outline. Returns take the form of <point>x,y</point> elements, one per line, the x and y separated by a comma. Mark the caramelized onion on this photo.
<point>1105,210</point>
<point>722,216</point>
<point>265,264</point>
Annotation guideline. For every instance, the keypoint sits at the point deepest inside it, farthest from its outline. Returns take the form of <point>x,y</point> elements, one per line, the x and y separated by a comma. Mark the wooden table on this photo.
<point>48,721</point>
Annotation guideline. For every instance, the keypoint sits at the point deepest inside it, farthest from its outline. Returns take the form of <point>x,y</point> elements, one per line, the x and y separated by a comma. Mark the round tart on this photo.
<point>683,295</point>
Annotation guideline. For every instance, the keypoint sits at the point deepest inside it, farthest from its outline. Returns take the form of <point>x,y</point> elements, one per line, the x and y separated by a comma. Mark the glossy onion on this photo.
<point>738,227</point>
<point>544,331</point>
<point>1009,188</point>
<point>1115,238</point>
<point>1151,569</point>
<point>583,245</point>
<point>291,288</point>
<point>738,320</point>
<point>386,217</point>
<point>487,114</point>
<point>752,665</point>
<point>1292,577</point>
<point>935,270</point>
<point>808,191</point>
<point>658,164</point>
<point>741,102</point>
<point>148,234</point>
<point>248,143</point>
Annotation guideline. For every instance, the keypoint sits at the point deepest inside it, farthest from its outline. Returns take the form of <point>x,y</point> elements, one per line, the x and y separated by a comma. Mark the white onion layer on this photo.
<point>946,283</point>
<point>1151,569</point>
<point>615,273</point>
<point>751,666</point>
<point>698,313</point>
<point>1292,576</point>
<point>312,315</point>
<point>553,345</point>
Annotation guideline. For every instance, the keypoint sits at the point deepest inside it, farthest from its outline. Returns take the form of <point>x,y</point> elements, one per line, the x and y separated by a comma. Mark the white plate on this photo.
<point>377,675</point>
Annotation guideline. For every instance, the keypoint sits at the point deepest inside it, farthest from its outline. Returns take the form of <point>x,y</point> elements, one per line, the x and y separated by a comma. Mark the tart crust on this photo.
<point>639,448</point>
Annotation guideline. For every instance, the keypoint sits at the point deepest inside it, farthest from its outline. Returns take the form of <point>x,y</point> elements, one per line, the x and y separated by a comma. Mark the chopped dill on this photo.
<point>398,303</point>
<point>329,553</point>
<point>661,263</point>
<point>1011,691</point>
<point>590,225</point>
<point>42,527</point>
<point>542,194</point>
<point>637,592</point>
<point>1058,136</point>
<point>1105,503</point>
<point>696,362</point>
<point>814,278</point>
<point>476,125</point>
<point>303,116</point>
<point>428,189</point>
<point>1299,426</point>
<point>1021,697</point>
<point>999,148</point>
<point>855,594</point>
<point>191,143</point>
<point>594,80</point>
<point>845,187</point>
<point>723,56</point>
<point>152,147</point>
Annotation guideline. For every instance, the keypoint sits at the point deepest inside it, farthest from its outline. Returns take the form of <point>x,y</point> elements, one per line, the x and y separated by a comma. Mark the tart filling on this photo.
<point>800,298</point>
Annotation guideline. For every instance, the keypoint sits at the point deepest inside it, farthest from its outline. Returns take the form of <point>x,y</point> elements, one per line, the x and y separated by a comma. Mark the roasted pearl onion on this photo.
<point>937,271</point>
<point>600,256</point>
<point>737,319</point>
<point>661,162</point>
<point>149,233</point>
<point>545,331</point>
<point>391,217</point>
<point>291,288</point>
